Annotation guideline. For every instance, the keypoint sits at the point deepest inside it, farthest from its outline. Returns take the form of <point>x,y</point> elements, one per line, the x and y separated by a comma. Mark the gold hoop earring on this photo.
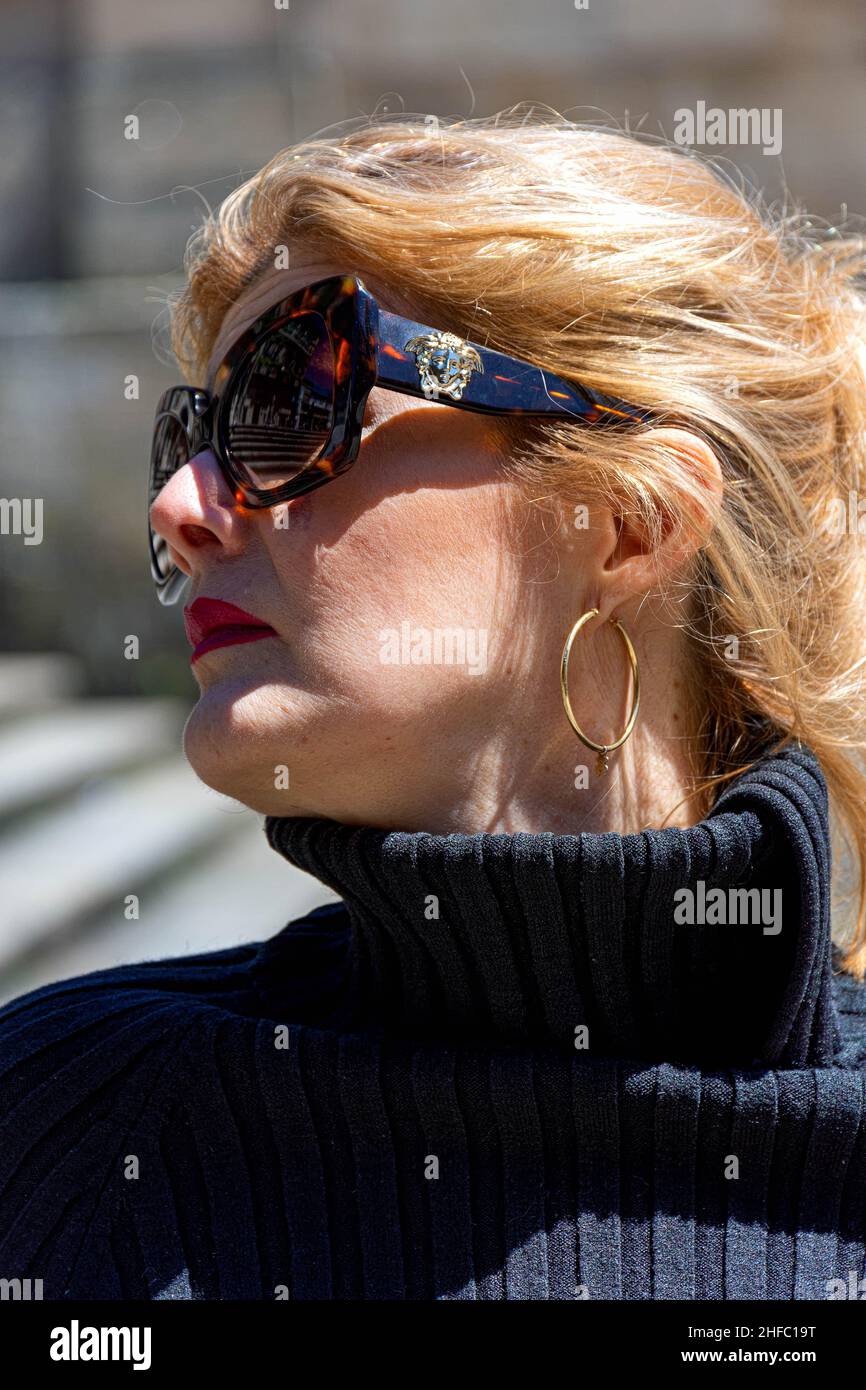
<point>602,749</point>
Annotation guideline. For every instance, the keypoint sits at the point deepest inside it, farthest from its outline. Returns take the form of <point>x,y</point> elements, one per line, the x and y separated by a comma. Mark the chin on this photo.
<point>219,744</point>
<point>214,750</point>
<point>228,749</point>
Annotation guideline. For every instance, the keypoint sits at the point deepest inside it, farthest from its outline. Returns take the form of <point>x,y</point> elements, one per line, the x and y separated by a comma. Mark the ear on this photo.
<point>691,492</point>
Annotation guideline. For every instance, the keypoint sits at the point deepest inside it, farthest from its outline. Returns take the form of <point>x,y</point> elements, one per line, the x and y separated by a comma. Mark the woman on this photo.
<point>506,498</point>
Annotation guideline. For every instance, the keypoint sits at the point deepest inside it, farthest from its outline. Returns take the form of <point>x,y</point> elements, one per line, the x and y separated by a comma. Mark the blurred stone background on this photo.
<point>96,801</point>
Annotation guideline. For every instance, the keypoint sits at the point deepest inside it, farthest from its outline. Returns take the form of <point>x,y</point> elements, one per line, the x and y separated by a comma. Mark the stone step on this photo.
<point>234,892</point>
<point>45,756</point>
<point>31,681</point>
<point>111,839</point>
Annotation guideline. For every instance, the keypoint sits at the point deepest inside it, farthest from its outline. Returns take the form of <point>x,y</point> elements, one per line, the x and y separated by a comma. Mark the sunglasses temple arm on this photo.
<point>501,384</point>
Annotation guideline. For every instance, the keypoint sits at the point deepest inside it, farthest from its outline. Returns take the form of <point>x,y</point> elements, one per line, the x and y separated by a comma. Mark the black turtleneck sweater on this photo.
<point>503,1067</point>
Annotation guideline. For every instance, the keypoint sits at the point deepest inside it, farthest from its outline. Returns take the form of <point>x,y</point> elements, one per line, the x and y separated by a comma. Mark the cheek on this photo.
<point>407,598</point>
<point>429,555</point>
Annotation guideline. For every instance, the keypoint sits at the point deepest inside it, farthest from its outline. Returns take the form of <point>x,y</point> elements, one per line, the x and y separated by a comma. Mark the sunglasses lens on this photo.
<point>170,452</point>
<point>282,403</point>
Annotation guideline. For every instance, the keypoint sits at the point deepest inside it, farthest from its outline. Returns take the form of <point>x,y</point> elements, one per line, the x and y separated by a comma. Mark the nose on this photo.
<point>197,515</point>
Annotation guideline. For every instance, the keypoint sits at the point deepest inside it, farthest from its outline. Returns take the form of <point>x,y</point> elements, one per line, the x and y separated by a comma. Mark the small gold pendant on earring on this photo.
<point>601,763</point>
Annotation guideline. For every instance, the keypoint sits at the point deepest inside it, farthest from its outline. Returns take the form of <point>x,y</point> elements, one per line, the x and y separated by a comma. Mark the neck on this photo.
<point>513,786</point>
<point>502,772</point>
<point>704,944</point>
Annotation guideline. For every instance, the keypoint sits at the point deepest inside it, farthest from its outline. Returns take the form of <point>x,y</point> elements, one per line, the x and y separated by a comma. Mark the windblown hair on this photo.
<point>642,270</point>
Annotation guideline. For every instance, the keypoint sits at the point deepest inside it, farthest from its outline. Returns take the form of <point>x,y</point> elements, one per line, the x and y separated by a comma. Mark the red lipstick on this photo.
<point>211,623</point>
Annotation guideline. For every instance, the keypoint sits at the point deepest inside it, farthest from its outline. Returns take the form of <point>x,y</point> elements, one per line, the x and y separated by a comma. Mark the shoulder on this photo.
<point>108,1014</point>
<point>89,1067</point>
<point>80,1064</point>
<point>127,1019</point>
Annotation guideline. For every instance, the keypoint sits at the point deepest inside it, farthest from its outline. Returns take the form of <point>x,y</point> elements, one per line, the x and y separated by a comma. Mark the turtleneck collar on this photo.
<point>580,941</point>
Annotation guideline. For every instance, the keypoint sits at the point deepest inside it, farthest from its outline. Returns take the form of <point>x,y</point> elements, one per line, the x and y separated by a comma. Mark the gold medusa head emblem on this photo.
<point>445,363</point>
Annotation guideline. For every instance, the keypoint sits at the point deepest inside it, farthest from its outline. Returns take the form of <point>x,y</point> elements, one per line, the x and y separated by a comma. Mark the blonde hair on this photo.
<point>641,270</point>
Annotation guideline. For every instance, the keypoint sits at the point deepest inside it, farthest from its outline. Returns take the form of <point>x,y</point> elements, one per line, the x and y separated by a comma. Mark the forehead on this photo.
<point>273,285</point>
<point>267,289</point>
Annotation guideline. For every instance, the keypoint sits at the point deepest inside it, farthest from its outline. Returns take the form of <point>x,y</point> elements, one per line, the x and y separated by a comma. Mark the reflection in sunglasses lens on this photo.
<point>281,410</point>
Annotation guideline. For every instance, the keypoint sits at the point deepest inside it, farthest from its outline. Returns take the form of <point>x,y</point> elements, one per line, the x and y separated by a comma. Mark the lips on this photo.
<point>211,623</point>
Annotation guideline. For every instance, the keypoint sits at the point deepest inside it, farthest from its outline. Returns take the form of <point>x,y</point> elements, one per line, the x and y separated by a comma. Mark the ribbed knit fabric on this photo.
<point>501,1068</point>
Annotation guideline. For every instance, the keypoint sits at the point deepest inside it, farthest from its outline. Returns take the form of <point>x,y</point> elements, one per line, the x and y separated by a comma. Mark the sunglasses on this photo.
<point>287,407</point>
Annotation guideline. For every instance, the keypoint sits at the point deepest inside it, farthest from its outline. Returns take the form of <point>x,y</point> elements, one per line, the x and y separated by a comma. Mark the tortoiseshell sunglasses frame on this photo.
<point>369,348</point>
